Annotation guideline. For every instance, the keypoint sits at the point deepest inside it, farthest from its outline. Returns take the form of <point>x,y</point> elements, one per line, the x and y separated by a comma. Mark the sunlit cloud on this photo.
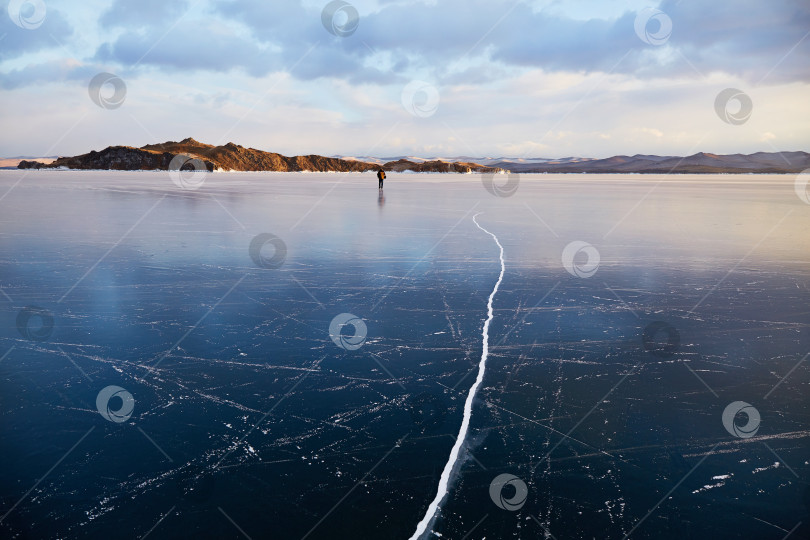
<point>510,77</point>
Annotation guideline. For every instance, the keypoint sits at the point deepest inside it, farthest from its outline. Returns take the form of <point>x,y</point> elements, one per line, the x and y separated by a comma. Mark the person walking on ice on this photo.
<point>380,177</point>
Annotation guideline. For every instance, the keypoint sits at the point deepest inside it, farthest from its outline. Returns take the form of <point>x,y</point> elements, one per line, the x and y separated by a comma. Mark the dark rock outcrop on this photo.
<point>230,157</point>
<point>30,165</point>
<point>439,166</point>
<point>233,157</point>
<point>119,158</point>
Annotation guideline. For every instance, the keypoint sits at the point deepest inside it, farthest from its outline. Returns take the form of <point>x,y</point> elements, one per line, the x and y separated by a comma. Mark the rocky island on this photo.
<point>233,157</point>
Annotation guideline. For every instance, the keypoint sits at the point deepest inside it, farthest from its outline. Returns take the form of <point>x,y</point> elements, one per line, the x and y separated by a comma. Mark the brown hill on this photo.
<point>439,166</point>
<point>117,158</point>
<point>233,157</point>
<point>230,157</point>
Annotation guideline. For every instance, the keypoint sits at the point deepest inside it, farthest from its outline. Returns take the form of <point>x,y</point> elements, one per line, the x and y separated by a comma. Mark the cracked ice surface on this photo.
<point>254,409</point>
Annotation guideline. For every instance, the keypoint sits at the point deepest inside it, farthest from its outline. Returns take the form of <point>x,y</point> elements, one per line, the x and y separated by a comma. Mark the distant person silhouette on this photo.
<point>380,177</point>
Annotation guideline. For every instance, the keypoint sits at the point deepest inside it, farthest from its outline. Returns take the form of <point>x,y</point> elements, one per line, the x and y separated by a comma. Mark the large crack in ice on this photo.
<point>449,468</point>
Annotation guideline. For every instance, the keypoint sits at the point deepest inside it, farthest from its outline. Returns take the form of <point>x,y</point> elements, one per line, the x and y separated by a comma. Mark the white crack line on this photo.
<point>444,481</point>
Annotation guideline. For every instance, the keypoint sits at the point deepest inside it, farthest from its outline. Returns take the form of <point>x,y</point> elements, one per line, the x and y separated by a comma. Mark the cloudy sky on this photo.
<point>526,78</point>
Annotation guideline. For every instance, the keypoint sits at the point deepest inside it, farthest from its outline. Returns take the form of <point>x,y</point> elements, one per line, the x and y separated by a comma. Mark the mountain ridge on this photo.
<point>234,157</point>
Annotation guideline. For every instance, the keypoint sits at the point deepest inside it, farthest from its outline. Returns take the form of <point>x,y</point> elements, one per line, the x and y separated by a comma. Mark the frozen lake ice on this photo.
<point>290,354</point>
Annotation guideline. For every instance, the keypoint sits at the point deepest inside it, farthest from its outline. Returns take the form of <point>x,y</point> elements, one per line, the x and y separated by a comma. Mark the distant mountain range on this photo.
<point>233,157</point>
<point>760,162</point>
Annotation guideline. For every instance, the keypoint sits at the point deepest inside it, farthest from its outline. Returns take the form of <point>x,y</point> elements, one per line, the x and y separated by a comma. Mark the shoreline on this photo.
<point>370,172</point>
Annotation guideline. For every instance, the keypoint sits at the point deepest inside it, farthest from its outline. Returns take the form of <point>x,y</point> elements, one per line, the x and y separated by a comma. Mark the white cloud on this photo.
<point>651,131</point>
<point>550,79</point>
